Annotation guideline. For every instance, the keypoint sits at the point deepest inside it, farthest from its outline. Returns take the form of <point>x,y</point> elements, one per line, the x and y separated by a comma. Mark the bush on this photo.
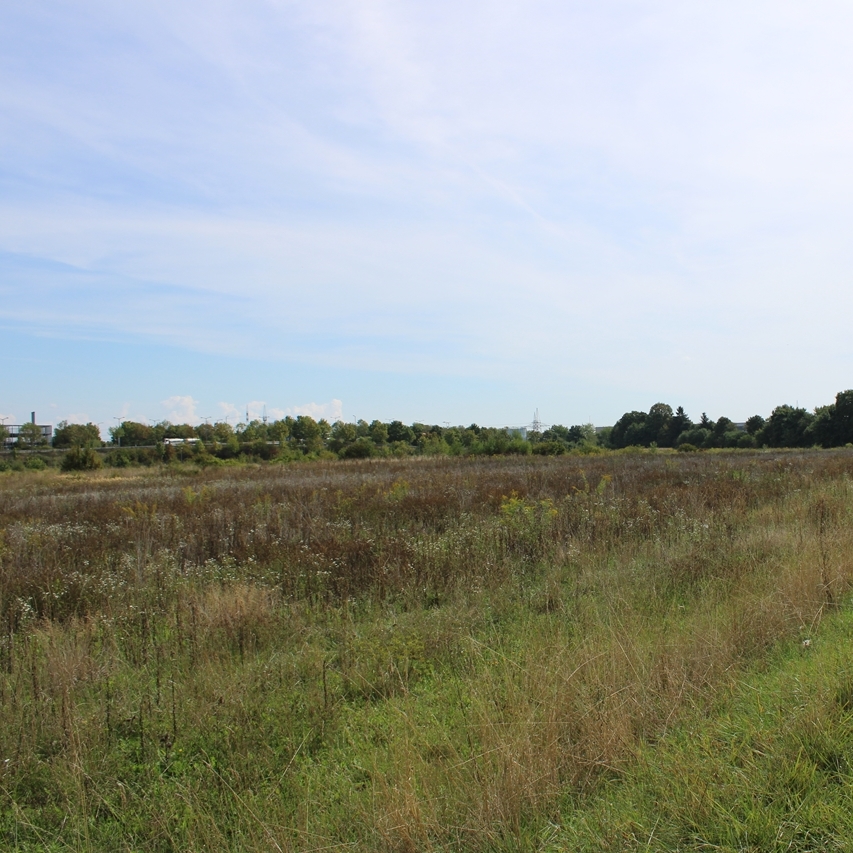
<point>35,463</point>
<point>687,447</point>
<point>549,448</point>
<point>362,448</point>
<point>81,459</point>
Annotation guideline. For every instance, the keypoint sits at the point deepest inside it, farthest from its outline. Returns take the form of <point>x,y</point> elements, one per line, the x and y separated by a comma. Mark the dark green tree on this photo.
<point>677,425</point>
<point>755,424</point>
<point>398,431</point>
<point>629,429</point>
<point>833,424</point>
<point>787,426</point>
<point>659,425</point>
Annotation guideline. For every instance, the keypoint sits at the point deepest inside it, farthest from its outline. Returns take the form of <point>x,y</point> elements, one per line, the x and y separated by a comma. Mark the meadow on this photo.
<point>631,650</point>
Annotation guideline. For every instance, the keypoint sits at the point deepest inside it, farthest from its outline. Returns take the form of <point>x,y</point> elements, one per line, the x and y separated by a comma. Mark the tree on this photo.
<point>76,435</point>
<point>843,419</point>
<point>678,423</point>
<point>755,424</point>
<point>279,431</point>
<point>343,435</point>
<point>378,432</point>
<point>4,434</point>
<point>398,431</point>
<point>308,433</point>
<point>30,436</point>
<point>833,424</point>
<point>641,429</point>
<point>658,424</point>
<point>787,426</point>
<point>135,434</point>
<point>629,429</point>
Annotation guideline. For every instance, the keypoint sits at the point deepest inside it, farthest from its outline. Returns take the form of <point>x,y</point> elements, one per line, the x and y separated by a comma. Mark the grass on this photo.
<point>625,651</point>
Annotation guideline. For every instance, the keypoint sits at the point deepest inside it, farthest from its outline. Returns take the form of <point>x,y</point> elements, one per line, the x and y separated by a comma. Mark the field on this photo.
<point>624,651</point>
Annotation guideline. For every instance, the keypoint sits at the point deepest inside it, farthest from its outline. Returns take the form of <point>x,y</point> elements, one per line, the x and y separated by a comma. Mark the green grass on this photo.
<point>517,655</point>
<point>770,767</point>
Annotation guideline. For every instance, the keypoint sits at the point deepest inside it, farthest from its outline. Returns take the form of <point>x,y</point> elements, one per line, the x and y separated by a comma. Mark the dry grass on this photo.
<point>405,655</point>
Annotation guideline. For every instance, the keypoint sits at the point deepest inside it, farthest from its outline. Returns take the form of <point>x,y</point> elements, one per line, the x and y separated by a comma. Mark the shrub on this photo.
<point>35,463</point>
<point>687,447</point>
<point>81,459</point>
<point>549,448</point>
<point>362,448</point>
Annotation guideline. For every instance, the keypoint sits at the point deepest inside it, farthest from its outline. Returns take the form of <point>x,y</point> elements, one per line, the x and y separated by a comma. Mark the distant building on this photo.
<point>176,441</point>
<point>14,430</point>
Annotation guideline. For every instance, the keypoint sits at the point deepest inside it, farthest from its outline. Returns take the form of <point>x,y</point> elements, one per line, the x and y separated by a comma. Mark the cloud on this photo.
<point>491,190</point>
<point>229,411</point>
<point>331,411</point>
<point>181,410</point>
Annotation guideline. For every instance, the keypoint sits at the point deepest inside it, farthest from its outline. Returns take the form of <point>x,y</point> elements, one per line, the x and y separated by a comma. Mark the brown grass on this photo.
<point>435,652</point>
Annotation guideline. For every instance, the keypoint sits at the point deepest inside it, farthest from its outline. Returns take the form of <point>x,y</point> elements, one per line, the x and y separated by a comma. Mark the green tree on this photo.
<point>279,431</point>
<point>833,424</point>
<point>76,435</point>
<point>398,431</point>
<point>134,434</point>
<point>658,425</point>
<point>629,429</point>
<point>755,424</point>
<point>308,433</point>
<point>30,436</point>
<point>677,425</point>
<point>697,436</point>
<point>378,433</point>
<point>343,435</point>
<point>787,426</point>
<point>175,431</point>
<point>843,419</point>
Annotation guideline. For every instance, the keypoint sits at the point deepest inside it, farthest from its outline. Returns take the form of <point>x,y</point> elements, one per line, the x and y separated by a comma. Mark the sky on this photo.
<point>426,211</point>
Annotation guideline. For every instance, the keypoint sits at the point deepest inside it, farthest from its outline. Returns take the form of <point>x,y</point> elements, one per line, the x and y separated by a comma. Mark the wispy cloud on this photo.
<point>439,190</point>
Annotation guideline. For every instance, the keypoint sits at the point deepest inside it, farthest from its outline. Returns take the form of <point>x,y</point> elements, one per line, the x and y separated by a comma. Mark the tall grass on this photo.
<point>423,654</point>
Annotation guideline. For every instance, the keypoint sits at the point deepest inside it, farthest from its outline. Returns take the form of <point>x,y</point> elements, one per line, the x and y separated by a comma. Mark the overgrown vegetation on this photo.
<point>604,652</point>
<point>302,438</point>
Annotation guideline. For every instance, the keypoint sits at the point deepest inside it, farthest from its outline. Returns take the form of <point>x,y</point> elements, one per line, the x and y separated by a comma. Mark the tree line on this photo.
<point>301,437</point>
<point>787,426</point>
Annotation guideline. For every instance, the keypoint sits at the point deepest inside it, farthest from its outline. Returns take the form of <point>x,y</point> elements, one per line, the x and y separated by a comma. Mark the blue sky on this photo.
<point>423,210</point>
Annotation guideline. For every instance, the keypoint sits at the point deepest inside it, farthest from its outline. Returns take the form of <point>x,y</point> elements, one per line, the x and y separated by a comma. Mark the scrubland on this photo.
<point>624,651</point>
